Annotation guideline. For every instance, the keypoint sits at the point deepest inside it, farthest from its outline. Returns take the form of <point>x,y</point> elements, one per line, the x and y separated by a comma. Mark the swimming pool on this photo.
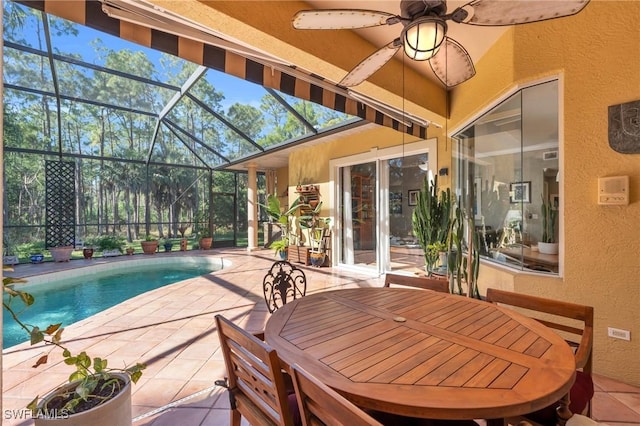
<point>70,298</point>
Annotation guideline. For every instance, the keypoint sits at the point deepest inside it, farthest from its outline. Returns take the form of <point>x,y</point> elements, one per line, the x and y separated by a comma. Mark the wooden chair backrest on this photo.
<point>256,384</point>
<point>579,336</point>
<point>322,406</point>
<point>283,283</point>
<point>418,282</point>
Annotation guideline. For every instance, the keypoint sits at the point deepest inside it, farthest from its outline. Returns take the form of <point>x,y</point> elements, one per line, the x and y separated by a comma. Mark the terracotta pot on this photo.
<point>115,412</point>
<point>87,252</point>
<point>130,251</point>
<point>206,242</point>
<point>149,247</point>
<point>61,254</point>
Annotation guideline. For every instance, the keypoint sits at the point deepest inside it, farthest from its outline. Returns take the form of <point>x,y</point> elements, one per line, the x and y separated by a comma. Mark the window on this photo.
<point>506,166</point>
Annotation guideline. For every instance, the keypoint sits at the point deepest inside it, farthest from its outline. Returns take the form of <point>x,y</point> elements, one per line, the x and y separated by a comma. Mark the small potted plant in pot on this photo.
<point>168,245</point>
<point>149,245</point>
<point>280,246</point>
<point>95,395</point>
<point>317,228</point>
<point>206,240</point>
<point>109,245</point>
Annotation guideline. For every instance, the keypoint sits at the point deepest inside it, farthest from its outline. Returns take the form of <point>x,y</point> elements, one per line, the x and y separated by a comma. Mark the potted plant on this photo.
<point>431,221</point>
<point>206,240</point>
<point>280,246</point>
<point>9,257</point>
<point>95,394</point>
<point>88,250</point>
<point>168,245</point>
<point>130,250</point>
<point>316,227</point>
<point>183,241</point>
<point>286,219</point>
<point>149,245</point>
<point>61,253</point>
<point>548,244</point>
<point>109,245</point>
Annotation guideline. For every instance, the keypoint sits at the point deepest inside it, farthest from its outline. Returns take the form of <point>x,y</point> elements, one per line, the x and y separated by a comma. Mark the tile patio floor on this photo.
<point>172,330</point>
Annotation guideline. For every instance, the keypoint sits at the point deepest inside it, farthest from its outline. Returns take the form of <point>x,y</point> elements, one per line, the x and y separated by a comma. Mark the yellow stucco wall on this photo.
<point>597,55</point>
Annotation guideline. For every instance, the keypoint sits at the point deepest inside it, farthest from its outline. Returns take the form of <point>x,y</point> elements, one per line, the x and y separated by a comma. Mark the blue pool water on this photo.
<point>74,299</point>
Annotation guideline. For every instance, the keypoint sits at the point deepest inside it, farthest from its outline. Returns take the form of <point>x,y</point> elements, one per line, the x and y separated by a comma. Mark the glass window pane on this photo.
<point>507,164</point>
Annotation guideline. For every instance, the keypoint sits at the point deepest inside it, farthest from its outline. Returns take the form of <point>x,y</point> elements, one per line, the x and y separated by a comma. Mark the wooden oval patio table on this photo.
<point>424,354</point>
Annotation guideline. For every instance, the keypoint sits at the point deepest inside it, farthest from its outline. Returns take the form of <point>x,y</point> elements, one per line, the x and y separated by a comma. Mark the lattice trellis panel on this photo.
<point>61,203</point>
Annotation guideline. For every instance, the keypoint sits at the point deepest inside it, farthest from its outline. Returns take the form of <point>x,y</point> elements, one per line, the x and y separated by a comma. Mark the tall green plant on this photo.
<point>286,219</point>
<point>463,258</point>
<point>431,219</point>
<point>549,215</point>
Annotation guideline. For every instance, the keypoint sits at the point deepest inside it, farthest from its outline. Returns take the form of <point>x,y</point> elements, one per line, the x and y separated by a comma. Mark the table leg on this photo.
<point>563,412</point>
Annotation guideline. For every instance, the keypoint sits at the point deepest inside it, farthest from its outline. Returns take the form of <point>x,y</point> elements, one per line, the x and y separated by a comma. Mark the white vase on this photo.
<point>115,412</point>
<point>548,248</point>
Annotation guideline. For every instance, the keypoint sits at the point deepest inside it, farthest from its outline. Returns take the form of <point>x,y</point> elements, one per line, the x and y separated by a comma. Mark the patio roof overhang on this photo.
<point>271,74</point>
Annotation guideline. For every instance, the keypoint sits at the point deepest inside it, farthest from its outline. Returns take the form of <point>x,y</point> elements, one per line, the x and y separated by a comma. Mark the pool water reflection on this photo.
<point>73,299</point>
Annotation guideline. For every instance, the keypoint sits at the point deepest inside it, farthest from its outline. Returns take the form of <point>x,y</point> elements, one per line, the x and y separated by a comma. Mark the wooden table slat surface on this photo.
<point>424,354</point>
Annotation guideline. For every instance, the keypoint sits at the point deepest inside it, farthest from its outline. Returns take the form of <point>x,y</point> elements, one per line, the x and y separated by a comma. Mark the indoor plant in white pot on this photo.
<point>95,394</point>
<point>548,244</point>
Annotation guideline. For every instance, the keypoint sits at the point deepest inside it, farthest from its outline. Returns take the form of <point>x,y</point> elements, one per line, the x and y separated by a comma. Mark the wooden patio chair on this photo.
<point>321,405</point>
<point>577,331</point>
<point>418,282</point>
<point>255,381</point>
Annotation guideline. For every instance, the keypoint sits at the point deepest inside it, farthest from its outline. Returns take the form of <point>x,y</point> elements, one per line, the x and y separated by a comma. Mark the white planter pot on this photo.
<point>548,248</point>
<point>115,412</point>
<point>111,253</point>
<point>10,260</point>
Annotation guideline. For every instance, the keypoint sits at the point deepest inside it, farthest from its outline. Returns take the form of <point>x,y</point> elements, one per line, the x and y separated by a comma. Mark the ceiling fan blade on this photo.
<point>452,64</point>
<point>511,12</point>
<point>335,19</point>
<point>371,64</point>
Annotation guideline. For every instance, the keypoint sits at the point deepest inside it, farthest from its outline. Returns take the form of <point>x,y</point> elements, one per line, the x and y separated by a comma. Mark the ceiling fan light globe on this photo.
<point>422,38</point>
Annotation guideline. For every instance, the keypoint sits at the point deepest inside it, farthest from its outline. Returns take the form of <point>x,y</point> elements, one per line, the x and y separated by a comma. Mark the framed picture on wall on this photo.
<point>520,192</point>
<point>413,197</point>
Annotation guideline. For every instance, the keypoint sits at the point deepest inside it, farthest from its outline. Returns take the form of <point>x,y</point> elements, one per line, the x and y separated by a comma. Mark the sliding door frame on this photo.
<point>378,156</point>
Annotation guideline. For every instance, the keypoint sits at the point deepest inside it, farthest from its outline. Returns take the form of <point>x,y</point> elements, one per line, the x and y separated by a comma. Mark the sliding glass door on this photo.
<point>375,195</point>
<point>359,230</point>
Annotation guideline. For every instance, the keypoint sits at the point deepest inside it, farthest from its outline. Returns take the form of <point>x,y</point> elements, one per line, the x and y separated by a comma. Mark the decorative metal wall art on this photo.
<point>624,127</point>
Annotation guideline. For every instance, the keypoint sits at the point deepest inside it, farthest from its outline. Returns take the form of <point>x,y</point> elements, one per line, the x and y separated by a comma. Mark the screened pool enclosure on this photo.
<point>148,140</point>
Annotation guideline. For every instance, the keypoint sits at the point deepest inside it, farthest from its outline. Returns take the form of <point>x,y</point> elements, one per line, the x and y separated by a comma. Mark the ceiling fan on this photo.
<point>423,35</point>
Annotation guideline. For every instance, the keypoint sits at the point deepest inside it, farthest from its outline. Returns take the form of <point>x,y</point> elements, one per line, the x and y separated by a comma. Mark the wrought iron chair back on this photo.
<point>283,283</point>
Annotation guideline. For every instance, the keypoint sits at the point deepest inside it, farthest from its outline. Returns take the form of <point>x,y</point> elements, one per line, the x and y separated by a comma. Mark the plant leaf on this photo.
<point>42,360</point>
<point>37,336</point>
<point>33,406</point>
<point>52,328</point>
